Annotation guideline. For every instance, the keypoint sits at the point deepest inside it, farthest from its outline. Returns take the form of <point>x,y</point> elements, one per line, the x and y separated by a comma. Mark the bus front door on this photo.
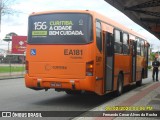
<point>134,54</point>
<point>109,61</point>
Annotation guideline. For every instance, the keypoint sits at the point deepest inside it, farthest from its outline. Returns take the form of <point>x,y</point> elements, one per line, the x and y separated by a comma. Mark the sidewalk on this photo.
<point>145,99</point>
<point>11,75</point>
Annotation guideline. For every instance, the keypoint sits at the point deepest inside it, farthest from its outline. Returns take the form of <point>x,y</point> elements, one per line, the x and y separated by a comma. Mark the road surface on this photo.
<point>14,96</point>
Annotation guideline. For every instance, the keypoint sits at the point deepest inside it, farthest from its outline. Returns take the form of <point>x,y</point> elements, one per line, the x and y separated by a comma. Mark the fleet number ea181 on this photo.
<point>73,52</point>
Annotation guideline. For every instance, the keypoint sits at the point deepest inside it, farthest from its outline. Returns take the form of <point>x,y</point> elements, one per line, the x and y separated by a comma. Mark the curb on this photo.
<point>11,77</point>
<point>132,98</point>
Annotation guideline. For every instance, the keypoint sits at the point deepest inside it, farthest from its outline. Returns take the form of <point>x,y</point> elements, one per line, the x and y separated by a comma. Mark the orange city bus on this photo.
<point>82,51</point>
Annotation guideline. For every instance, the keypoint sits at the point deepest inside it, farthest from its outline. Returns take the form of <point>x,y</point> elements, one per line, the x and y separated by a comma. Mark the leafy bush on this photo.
<point>149,67</point>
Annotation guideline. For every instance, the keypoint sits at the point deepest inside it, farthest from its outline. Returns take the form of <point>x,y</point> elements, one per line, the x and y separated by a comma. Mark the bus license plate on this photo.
<point>55,84</point>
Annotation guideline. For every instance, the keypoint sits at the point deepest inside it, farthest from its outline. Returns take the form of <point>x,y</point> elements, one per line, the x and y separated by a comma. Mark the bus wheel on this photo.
<point>139,83</point>
<point>120,85</point>
<point>70,92</point>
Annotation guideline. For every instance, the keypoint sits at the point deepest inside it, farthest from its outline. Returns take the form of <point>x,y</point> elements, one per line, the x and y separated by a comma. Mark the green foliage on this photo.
<point>8,37</point>
<point>149,67</point>
<point>152,56</point>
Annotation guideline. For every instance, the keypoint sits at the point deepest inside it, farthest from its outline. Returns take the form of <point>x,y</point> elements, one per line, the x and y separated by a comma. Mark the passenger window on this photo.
<point>125,38</point>
<point>138,47</point>
<point>118,44</point>
<point>142,48</point>
<point>99,36</point>
<point>117,36</point>
<point>125,43</point>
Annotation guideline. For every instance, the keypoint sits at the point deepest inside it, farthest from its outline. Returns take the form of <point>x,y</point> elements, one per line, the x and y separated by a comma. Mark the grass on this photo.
<point>7,69</point>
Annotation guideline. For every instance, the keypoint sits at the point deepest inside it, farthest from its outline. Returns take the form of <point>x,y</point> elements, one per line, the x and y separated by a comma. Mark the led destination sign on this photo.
<point>60,28</point>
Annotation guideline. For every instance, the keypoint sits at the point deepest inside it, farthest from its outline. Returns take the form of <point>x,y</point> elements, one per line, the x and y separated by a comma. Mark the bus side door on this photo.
<point>109,61</point>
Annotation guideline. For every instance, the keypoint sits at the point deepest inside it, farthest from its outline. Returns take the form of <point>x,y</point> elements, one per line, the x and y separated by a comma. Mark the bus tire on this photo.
<point>119,85</point>
<point>139,83</point>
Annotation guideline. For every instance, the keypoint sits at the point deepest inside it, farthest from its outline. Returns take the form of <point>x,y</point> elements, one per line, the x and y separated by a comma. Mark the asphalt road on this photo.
<point>14,96</point>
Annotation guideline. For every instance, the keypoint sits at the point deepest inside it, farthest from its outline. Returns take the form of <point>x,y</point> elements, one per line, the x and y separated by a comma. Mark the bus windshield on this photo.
<point>60,28</point>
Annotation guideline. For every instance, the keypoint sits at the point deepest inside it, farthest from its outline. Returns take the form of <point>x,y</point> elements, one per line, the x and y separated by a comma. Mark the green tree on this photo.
<point>152,56</point>
<point>8,36</point>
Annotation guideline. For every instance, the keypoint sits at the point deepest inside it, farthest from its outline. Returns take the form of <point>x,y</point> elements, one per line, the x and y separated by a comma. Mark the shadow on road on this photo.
<point>83,102</point>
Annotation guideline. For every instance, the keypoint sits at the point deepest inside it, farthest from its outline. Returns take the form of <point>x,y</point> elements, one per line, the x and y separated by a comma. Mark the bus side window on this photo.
<point>99,35</point>
<point>138,47</point>
<point>145,50</point>
<point>118,43</point>
<point>125,44</point>
<point>142,48</point>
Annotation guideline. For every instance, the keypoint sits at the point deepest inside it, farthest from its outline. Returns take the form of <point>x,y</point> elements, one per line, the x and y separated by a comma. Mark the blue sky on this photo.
<point>18,23</point>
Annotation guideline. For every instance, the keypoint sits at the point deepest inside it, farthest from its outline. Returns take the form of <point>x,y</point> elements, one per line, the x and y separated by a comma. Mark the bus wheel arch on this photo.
<point>120,81</point>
